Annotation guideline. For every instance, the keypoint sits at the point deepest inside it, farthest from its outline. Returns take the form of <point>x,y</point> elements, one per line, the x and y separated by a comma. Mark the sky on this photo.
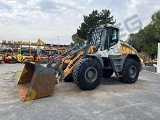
<point>28,20</point>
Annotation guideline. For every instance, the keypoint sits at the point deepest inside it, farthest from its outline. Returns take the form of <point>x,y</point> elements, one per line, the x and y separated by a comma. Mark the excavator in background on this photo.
<point>102,55</point>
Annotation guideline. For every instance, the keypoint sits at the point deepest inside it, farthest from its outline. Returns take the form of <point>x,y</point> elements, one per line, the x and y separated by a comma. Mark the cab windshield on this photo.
<point>24,51</point>
<point>105,37</point>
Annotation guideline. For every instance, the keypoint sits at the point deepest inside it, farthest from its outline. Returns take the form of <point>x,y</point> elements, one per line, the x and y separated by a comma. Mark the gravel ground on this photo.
<point>112,100</point>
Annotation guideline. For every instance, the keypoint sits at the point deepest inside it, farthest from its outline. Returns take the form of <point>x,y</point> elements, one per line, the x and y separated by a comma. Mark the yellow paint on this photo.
<point>126,49</point>
<point>72,62</point>
<point>18,75</point>
<point>21,73</point>
<point>31,97</point>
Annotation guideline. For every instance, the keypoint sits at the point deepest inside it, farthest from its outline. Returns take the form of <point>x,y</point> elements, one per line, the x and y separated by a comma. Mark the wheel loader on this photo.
<point>102,55</point>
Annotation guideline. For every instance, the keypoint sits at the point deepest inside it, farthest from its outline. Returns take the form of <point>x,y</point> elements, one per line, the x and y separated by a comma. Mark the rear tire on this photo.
<point>107,73</point>
<point>87,74</point>
<point>130,71</point>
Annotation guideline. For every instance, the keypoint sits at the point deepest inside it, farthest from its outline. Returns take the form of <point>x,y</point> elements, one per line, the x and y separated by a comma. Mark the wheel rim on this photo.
<point>132,72</point>
<point>91,74</point>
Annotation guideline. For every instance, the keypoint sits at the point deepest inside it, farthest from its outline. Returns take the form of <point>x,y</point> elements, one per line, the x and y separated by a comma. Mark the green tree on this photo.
<point>77,40</point>
<point>93,19</point>
<point>146,39</point>
<point>156,23</point>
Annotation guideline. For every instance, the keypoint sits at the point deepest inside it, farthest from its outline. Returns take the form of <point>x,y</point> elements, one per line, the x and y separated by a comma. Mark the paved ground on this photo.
<point>112,100</point>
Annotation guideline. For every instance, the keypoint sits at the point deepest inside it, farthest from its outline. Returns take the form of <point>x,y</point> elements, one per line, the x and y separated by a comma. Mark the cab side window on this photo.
<point>114,38</point>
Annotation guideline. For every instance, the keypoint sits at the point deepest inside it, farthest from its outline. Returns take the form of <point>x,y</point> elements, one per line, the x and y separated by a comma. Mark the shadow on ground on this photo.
<point>111,81</point>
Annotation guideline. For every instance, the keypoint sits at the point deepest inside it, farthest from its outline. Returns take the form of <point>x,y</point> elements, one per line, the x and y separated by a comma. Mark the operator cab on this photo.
<point>105,36</point>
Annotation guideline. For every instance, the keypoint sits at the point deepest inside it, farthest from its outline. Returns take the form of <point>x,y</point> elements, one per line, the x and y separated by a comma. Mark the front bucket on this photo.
<point>36,81</point>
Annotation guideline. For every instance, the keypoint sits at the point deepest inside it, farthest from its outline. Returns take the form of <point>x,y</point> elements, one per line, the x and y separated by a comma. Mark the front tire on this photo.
<point>130,71</point>
<point>87,74</point>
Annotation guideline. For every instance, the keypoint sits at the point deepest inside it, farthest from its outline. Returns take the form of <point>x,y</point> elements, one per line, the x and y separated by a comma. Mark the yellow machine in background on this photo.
<point>24,54</point>
<point>9,56</point>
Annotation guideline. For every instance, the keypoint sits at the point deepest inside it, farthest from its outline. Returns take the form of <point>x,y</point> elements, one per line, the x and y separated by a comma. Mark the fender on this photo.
<point>97,57</point>
<point>134,57</point>
<point>117,61</point>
